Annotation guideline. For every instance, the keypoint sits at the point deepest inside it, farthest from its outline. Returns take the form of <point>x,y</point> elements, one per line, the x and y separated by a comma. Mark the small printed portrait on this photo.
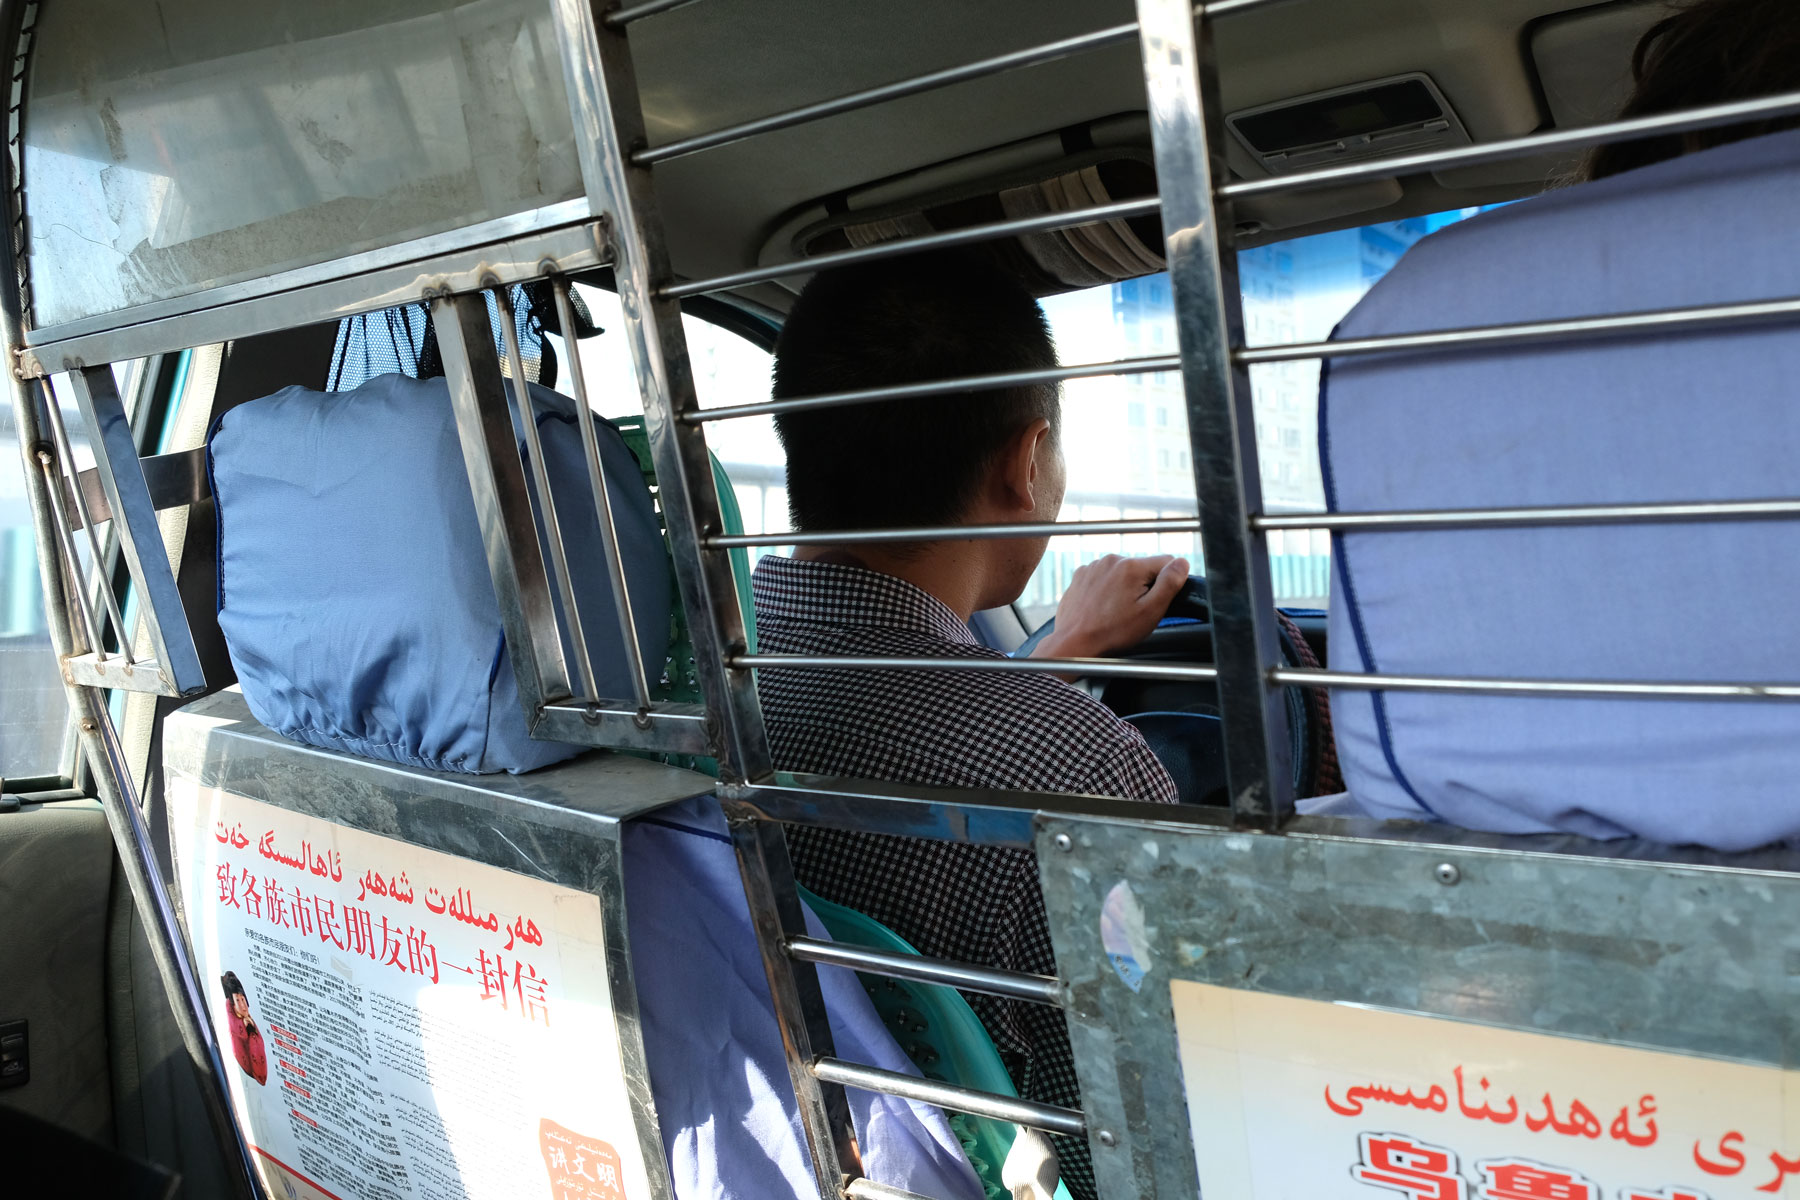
<point>246,1038</point>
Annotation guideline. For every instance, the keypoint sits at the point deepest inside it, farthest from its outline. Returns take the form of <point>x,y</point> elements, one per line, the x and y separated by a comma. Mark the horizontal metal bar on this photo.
<point>1032,56</point>
<point>617,724</point>
<point>115,671</point>
<point>1091,668</point>
<point>1502,518</point>
<point>868,1189</point>
<point>1667,320</point>
<point>975,816</point>
<point>1038,989</point>
<point>618,18</point>
<point>568,249</point>
<point>1118,210</point>
<point>942,387</point>
<point>956,533</point>
<point>1049,1117</point>
<point>1309,677</point>
<point>1710,116</point>
<point>432,246</point>
<point>175,480</point>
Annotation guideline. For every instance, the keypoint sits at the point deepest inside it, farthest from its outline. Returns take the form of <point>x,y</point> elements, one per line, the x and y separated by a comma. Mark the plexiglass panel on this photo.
<point>177,146</point>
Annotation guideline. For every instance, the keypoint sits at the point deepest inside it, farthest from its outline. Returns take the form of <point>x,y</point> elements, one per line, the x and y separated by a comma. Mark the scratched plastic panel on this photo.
<point>178,146</point>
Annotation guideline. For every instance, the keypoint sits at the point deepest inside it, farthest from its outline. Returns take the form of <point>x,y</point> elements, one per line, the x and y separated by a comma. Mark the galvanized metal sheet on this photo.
<point>1690,958</point>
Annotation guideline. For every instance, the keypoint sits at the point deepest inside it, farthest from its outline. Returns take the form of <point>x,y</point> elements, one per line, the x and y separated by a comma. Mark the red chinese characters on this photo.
<point>1521,1179</point>
<point>1414,1169</point>
<point>520,989</point>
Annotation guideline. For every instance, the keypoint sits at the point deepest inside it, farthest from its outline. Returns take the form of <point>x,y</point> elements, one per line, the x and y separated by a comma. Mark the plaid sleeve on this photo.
<point>1132,772</point>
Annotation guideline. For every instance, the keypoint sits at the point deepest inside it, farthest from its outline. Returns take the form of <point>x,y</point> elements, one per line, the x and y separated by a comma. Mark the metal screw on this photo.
<point>1447,874</point>
<point>591,714</point>
<point>88,726</point>
<point>1106,1138</point>
<point>1064,842</point>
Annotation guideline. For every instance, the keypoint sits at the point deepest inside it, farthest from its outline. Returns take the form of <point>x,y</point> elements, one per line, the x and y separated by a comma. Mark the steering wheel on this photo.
<point>1180,718</point>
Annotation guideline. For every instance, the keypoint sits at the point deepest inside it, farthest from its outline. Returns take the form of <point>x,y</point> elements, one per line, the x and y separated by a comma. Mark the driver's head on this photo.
<point>936,460</point>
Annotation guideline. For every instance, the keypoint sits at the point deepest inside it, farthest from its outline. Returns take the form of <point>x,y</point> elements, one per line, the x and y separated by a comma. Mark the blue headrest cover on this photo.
<point>354,591</point>
<point>1696,416</point>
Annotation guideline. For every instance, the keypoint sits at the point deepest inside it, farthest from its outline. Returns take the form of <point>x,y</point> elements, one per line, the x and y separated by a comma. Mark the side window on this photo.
<point>37,747</point>
<point>728,369</point>
<point>34,713</point>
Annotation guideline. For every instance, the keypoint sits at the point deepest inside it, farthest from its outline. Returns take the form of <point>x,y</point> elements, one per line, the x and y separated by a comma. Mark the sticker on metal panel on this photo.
<point>398,1023</point>
<point>1122,935</point>
<point>1290,1097</point>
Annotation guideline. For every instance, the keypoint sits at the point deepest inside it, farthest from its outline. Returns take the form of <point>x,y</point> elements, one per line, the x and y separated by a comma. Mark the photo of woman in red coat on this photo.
<point>246,1039</point>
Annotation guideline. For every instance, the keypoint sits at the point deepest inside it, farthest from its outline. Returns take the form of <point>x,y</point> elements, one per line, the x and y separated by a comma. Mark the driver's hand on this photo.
<point>1113,604</point>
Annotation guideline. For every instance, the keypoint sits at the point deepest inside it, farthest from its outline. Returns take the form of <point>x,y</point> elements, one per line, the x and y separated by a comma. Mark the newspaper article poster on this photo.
<point>401,1024</point>
<point>1292,1099</point>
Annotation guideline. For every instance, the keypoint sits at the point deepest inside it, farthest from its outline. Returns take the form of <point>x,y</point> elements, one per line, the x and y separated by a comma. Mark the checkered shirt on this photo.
<point>978,904</point>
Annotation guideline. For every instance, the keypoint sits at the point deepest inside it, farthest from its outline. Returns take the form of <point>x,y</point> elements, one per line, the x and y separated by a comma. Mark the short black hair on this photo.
<point>915,461</point>
<point>1707,52</point>
<point>232,987</point>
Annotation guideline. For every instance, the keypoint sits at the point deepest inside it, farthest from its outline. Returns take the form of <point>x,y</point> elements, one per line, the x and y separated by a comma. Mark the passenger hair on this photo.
<point>1709,52</point>
<point>919,460</point>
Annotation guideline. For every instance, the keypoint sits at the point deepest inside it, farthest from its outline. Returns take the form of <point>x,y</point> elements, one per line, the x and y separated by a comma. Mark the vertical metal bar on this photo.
<point>113,784</point>
<point>609,123</point>
<point>1186,136</point>
<point>774,901</point>
<point>102,576</point>
<point>71,565</point>
<point>490,448</point>
<point>603,513</point>
<point>540,472</point>
<point>140,535</point>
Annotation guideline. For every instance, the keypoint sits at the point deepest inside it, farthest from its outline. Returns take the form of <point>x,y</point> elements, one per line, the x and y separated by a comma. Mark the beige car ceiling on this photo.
<point>1507,67</point>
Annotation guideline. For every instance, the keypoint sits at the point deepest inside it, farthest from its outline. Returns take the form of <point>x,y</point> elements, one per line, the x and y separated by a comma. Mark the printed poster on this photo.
<point>1306,1100</point>
<point>400,1024</point>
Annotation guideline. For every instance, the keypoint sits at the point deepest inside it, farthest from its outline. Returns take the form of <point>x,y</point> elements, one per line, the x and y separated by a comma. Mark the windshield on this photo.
<point>1125,437</point>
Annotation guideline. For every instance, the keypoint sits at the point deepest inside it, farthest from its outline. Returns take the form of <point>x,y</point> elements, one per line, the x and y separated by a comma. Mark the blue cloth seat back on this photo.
<point>354,591</point>
<point>1695,416</point>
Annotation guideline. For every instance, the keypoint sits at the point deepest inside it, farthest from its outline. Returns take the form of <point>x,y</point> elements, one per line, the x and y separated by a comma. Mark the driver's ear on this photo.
<point>1017,477</point>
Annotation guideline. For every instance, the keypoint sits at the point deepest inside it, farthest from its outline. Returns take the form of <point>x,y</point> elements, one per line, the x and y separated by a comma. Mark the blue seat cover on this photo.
<point>1661,417</point>
<point>726,1107</point>
<point>354,591</point>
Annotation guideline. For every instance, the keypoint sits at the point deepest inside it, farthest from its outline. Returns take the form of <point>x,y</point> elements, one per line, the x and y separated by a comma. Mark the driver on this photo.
<point>962,459</point>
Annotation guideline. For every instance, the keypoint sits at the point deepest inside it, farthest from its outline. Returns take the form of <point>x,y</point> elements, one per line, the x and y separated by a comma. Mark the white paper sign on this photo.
<point>1305,1100</point>
<point>400,1024</point>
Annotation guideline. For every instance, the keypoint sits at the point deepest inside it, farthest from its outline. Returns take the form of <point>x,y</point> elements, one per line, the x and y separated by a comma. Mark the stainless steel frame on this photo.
<point>1181,83</point>
<point>567,248</point>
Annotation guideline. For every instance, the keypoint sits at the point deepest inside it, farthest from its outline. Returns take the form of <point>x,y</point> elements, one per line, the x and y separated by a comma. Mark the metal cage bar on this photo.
<point>1621,689</point>
<point>68,563</point>
<point>1049,1117</point>
<point>603,512</point>
<point>1636,324</point>
<point>775,912</point>
<point>1092,668</point>
<point>1118,210</point>
<point>609,121</point>
<point>1180,80</point>
<point>509,534</point>
<point>981,69</point>
<point>546,495</point>
<point>1710,116</point>
<point>1149,364</point>
<point>112,779</point>
<point>84,513</point>
<point>177,662</point>
<point>1016,985</point>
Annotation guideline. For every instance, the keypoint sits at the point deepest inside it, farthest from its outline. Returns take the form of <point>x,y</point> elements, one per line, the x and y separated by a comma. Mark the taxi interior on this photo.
<point>106,1059</point>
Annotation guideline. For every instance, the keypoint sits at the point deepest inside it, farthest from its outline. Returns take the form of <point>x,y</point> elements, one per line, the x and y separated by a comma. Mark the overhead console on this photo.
<point>1397,115</point>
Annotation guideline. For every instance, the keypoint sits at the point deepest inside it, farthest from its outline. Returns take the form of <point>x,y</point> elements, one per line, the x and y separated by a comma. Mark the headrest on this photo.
<point>1663,417</point>
<point>354,591</point>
